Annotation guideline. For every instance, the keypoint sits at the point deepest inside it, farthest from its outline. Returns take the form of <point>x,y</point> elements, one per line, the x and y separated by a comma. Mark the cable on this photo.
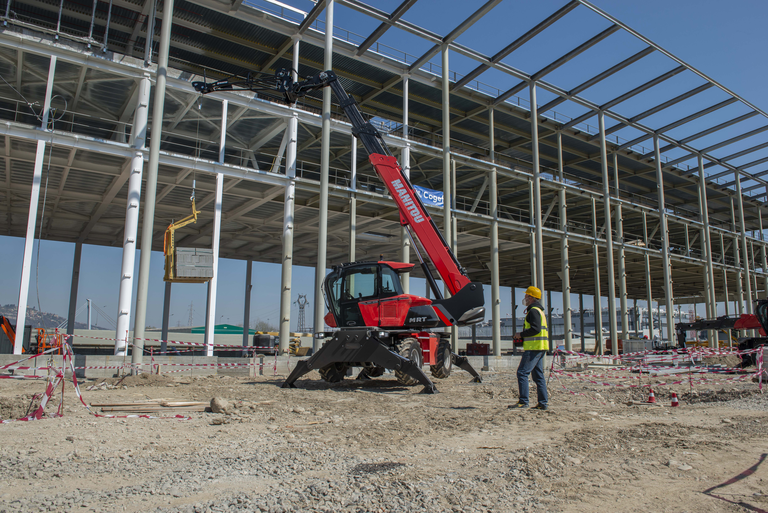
<point>23,98</point>
<point>40,233</point>
<point>52,122</point>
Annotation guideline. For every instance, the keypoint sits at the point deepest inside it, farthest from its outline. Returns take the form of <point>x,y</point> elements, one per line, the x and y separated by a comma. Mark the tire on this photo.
<point>334,372</point>
<point>443,361</point>
<point>411,350</point>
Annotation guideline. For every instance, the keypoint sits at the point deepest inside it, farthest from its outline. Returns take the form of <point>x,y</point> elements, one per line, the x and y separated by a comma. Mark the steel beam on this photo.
<point>460,29</point>
<point>381,29</point>
<point>530,34</point>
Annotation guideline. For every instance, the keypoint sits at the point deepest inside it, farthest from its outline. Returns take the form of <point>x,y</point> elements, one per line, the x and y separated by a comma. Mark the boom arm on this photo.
<point>413,215</point>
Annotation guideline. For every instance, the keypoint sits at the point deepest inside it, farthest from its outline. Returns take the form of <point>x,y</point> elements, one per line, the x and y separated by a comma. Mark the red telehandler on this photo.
<point>380,327</point>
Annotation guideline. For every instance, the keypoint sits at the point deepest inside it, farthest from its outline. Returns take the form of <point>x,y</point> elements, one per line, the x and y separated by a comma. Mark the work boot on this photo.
<point>518,406</point>
<point>540,407</point>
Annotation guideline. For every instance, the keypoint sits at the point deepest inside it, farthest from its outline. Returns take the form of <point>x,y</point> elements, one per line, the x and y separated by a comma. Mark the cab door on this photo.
<point>359,286</point>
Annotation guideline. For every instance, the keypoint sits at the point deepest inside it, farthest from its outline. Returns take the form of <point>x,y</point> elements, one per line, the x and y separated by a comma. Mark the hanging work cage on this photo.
<point>186,265</point>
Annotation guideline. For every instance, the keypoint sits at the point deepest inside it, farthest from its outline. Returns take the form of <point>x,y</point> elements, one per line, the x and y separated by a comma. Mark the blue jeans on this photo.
<point>532,362</point>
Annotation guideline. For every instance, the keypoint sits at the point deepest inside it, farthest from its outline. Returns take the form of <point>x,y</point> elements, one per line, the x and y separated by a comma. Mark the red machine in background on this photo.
<point>758,320</point>
<point>380,327</point>
<point>6,326</point>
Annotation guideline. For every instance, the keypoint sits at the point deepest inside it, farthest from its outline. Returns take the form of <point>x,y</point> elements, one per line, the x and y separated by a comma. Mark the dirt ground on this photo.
<point>378,446</point>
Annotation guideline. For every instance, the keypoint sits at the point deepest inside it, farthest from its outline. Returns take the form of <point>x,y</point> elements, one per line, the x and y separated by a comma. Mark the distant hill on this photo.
<point>40,319</point>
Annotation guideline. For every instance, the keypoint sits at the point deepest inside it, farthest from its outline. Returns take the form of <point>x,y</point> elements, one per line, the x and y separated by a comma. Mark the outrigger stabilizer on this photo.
<point>349,347</point>
<point>356,347</point>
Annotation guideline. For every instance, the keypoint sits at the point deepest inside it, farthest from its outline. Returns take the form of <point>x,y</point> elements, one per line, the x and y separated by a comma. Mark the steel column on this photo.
<point>648,291</point>
<point>763,252</point>
<point>405,164</point>
<point>353,203</point>
<point>447,182</point>
<point>325,160</point>
<point>532,238</point>
<point>286,271</point>
<point>210,322</point>
<point>213,285</point>
<point>166,317</point>
<point>514,316</point>
<point>596,264</point>
<point>634,320</point>
<point>565,267</point>
<point>548,308</point>
<point>744,249</point>
<point>494,211</point>
<point>247,301</point>
<point>138,143</point>
<point>34,199</point>
<point>622,258</point>
<point>148,219</point>
<point>447,224</point>
<point>737,258</point>
<point>74,288</point>
<point>706,242</point>
<point>608,237</point>
<point>581,322</point>
<point>668,293</point>
<point>536,206</point>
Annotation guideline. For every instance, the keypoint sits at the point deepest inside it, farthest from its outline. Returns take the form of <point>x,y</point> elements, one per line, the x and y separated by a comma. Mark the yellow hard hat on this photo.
<point>533,292</point>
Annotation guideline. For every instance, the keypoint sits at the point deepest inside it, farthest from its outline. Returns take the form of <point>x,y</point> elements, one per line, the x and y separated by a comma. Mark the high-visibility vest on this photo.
<point>539,341</point>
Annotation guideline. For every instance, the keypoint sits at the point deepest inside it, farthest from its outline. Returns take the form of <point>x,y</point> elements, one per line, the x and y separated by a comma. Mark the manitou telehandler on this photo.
<point>380,327</point>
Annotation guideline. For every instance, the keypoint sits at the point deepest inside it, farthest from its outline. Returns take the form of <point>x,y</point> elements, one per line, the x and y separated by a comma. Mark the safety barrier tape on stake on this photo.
<point>30,357</point>
<point>660,352</point>
<point>687,370</point>
<point>68,358</point>
<point>649,385</point>
<point>174,342</point>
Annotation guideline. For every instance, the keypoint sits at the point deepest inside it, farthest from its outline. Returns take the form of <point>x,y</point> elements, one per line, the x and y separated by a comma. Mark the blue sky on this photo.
<point>725,40</point>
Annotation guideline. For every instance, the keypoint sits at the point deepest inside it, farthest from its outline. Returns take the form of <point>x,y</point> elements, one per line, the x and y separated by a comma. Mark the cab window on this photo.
<point>390,284</point>
<point>360,283</point>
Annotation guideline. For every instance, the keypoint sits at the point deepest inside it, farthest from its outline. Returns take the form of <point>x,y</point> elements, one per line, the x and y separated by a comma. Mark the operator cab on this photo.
<point>367,294</point>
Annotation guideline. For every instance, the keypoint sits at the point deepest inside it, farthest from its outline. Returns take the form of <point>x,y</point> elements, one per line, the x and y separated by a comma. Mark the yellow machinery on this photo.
<point>186,265</point>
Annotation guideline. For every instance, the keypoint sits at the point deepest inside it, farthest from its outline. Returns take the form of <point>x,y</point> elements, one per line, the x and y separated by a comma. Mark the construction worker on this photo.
<point>535,337</point>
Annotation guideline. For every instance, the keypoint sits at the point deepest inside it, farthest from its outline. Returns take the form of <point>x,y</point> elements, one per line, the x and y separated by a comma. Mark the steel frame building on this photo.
<point>609,201</point>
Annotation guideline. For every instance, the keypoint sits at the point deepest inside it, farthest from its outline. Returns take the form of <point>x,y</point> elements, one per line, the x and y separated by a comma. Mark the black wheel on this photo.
<point>334,372</point>
<point>443,361</point>
<point>410,349</point>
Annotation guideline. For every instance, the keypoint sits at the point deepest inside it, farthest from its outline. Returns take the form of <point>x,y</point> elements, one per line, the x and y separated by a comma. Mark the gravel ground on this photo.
<point>376,446</point>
